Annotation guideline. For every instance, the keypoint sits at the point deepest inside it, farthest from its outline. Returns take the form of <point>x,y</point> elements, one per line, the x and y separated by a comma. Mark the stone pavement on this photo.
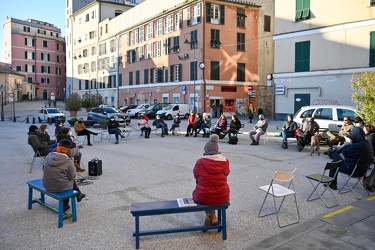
<point>140,170</point>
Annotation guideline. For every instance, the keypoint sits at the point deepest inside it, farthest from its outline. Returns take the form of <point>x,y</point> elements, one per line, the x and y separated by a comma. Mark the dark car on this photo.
<point>151,111</point>
<point>98,114</point>
<point>124,109</point>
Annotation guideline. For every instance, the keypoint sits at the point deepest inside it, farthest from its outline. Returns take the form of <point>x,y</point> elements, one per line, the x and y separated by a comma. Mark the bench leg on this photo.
<point>74,208</point>
<point>30,202</point>
<point>42,198</point>
<point>224,223</point>
<point>137,232</point>
<point>61,214</point>
<point>219,217</point>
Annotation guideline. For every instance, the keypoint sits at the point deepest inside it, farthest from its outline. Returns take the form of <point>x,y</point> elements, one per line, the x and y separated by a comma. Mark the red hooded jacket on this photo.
<point>211,175</point>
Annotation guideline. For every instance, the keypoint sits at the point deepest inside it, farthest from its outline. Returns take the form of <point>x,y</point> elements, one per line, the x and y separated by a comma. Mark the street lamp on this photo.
<point>193,44</point>
<point>2,102</point>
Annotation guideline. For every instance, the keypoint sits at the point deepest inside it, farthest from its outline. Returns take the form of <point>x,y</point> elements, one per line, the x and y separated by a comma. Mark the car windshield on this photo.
<point>140,106</point>
<point>151,107</point>
<point>169,107</point>
<point>110,110</point>
<point>54,111</point>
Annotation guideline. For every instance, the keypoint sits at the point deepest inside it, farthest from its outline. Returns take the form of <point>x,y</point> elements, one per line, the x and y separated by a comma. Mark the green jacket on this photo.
<point>36,142</point>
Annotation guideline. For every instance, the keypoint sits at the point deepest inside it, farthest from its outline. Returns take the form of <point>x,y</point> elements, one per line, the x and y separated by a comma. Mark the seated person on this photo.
<point>66,134</point>
<point>288,130</point>
<point>113,128</point>
<point>190,126</point>
<point>206,124</point>
<point>356,147</point>
<point>37,142</point>
<point>144,126</point>
<point>211,173</point>
<point>42,132</point>
<point>221,126</point>
<point>197,123</point>
<point>58,127</point>
<point>370,134</point>
<point>159,123</point>
<point>80,129</point>
<point>358,122</point>
<point>234,126</point>
<point>344,131</point>
<point>260,128</point>
<point>176,123</point>
<point>308,128</point>
<point>59,173</point>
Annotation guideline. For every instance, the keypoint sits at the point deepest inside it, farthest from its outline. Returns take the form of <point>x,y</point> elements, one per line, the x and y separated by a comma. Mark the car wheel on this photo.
<point>169,117</point>
<point>39,120</point>
<point>186,116</point>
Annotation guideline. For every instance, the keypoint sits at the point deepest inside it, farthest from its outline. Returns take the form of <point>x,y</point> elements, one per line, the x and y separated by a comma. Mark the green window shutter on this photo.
<point>302,56</point>
<point>208,12</point>
<point>171,72</point>
<point>372,49</point>
<point>33,55</point>
<point>25,54</point>
<point>306,9</point>
<point>299,9</point>
<point>222,14</point>
<point>48,57</point>
<point>33,42</point>
<point>25,41</point>
<point>33,68</point>
<point>372,2</point>
<point>25,67</point>
<point>24,28</point>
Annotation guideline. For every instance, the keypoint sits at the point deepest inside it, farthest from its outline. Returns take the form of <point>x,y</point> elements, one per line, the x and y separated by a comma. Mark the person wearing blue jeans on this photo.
<point>113,128</point>
<point>289,127</point>
<point>159,123</point>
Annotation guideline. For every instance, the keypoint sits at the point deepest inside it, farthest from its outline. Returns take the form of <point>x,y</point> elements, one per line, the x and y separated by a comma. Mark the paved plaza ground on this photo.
<point>141,170</point>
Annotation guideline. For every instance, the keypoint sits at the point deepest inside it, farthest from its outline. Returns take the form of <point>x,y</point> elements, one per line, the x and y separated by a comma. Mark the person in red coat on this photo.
<point>190,126</point>
<point>211,173</point>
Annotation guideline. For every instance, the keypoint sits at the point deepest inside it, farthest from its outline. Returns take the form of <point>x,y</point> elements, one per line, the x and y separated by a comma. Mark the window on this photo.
<point>136,36</point>
<point>188,16</point>
<point>302,56</point>
<point>196,14</point>
<point>58,71</point>
<point>131,35</point>
<point>302,10</point>
<point>130,78</point>
<point>178,21</point>
<point>215,13</point>
<point>194,39</point>
<point>92,34</point>
<point>45,69</point>
<point>323,114</point>
<point>157,48</point>
<point>176,44</point>
<point>267,23</point>
<point>137,77</point>
<point>159,27</point>
<point>141,34</point>
<point>29,55</point>
<point>166,46</point>
<point>29,42</point>
<point>149,51</point>
<point>241,17</point>
<point>158,75</point>
<point>45,57</point>
<point>145,76</point>
<point>372,49</point>
<point>45,80</point>
<point>57,58</point>
<point>141,53</point>
<point>106,28</point>
<point>18,68</point>
<point>149,34</point>
<point>215,70</point>
<point>175,73</point>
<point>45,43</point>
<point>152,70</point>
<point>215,38</point>
<point>168,24</point>
<point>30,79</point>
<point>193,71</point>
<point>87,17</point>
<point>26,29</point>
<point>57,46</point>
<point>241,72</point>
<point>92,14</point>
<point>240,41</point>
<point>93,50</point>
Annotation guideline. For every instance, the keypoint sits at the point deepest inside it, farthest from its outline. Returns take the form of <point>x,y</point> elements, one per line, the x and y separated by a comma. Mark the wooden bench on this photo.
<point>321,130</point>
<point>212,131</point>
<point>171,207</point>
<point>61,196</point>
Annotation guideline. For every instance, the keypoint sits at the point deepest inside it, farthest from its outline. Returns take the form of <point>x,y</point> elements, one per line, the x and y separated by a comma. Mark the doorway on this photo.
<point>301,100</point>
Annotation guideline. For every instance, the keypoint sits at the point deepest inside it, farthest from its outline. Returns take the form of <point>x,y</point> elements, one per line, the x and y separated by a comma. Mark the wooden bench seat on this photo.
<point>171,207</point>
<point>60,196</point>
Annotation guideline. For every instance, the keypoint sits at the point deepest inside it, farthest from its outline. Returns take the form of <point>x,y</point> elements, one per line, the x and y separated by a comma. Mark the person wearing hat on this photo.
<point>211,173</point>
<point>37,142</point>
<point>358,122</point>
<point>260,128</point>
<point>59,172</point>
<point>176,123</point>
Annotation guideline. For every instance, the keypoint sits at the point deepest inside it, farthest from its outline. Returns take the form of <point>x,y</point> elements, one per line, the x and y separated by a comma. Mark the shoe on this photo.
<point>195,135</point>
<point>78,168</point>
<point>207,222</point>
<point>256,143</point>
<point>89,144</point>
<point>122,136</point>
<point>116,142</point>
<point>95,133</point>
<point>214,220</point>
<point>66,208</point>
<point>253,143</point>
<point>80,197</point>
<point>162,135</point>
<point>187,135</point>
<point>328,152</point>
<point>191,134</point>
<point>331,186</point>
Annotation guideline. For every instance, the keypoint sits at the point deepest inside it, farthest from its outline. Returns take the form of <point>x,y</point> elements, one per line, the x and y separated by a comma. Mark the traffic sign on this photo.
<point>11,96</point>
<point>52,93</point>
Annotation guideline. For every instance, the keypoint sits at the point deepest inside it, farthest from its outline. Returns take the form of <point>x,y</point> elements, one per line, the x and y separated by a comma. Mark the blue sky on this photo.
<point>51,11</point>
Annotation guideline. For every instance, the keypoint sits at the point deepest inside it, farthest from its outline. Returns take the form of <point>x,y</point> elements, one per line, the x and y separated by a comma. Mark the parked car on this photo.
<point>327,116</point>
<point>98,114</point>
<point>51,115</point>
<point>171,110</point>
<point>151,111</point>
<point>124,109</point>
<point>139,109</point>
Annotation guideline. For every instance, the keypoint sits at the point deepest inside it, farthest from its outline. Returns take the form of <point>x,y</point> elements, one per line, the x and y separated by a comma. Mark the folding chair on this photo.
<point>324,179</point>
<point>280,191</point>
<point>36,155</point>
<point>361,164</point>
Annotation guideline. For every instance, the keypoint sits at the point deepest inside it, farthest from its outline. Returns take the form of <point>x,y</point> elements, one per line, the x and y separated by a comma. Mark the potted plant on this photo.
<point>73,104</point>
<point>72,121</point>
<point>89,101</point>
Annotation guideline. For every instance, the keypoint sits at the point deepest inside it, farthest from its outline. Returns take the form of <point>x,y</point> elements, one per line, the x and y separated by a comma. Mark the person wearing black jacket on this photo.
<point>289,128</point>
<point>159,123</point>
<point>113,128</point>
<point>197,123</point>
<point>234,127</point>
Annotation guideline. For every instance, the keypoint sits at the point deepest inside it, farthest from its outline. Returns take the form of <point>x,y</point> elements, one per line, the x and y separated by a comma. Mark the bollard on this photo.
<point>34,120</point>
<point>27,120</point>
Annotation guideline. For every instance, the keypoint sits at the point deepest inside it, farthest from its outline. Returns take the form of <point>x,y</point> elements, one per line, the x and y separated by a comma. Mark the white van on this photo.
<point>171,110</point>
<point>327,116</point>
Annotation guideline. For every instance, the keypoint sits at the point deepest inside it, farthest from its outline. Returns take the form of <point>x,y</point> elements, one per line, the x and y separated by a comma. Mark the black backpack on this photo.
<point>233,140</point>
<point>369,181</point>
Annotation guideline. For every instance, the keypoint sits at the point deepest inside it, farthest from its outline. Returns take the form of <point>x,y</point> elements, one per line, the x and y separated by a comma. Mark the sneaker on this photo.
<point>162,135</point>
<point>116,142</point>
<point>89,144</point>
<point>331,186</point>
<point>95,133</point>
<point>80,197</point>
<point>195,135</point>
<point>122,136</point>
<point>187,135</point>
<point>66,208</point>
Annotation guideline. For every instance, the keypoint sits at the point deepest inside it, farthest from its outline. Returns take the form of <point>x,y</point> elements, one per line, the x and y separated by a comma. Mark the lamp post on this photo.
<point>194,45</point>
<point>2,102</point>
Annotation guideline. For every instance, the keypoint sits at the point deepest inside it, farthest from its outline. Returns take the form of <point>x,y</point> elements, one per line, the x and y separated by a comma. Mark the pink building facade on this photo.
<point>36,49</point>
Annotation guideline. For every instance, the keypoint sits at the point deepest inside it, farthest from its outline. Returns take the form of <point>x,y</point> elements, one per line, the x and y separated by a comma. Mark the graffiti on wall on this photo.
<point>326,102</point>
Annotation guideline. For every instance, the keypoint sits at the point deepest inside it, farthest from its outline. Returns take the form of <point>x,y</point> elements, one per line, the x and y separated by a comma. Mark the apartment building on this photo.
<point>36,49</point>
<point>317,49</point>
